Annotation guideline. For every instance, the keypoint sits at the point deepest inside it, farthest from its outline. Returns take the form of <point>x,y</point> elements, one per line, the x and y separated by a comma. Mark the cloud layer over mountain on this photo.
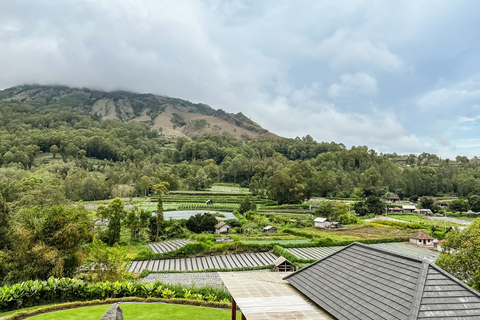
<point>398,76</point>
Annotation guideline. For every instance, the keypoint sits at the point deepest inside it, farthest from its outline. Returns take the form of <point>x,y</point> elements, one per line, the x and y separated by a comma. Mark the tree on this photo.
<point>47,242</point>
<point>460,255</point>
<point>54,150</point>
<point>458,205</point>
<point>5,218</point>
<point>428,203</point>
<point>360,208</point>
<point>114,213</point>
<point>201,223</point>
<point>246,205</point>
<point>331,209</point>
<point>145,184</point>
<point>107,263</point>
<point>375,205</point>
<point>474,203</point>
<point>160,189</point>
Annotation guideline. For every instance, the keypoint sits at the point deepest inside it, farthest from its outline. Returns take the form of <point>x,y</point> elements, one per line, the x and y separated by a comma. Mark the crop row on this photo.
<point>206,263</point>
<point>203,206</point>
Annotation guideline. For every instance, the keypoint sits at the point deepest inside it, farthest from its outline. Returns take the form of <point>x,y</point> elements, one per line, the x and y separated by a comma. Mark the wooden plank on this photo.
<point>189,264</point>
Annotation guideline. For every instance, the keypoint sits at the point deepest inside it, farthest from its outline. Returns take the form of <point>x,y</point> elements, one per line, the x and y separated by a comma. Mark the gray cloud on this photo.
<point>389,75</point>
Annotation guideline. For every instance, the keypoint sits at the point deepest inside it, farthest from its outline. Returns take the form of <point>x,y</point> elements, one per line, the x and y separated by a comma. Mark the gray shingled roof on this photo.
<point>362,282</point>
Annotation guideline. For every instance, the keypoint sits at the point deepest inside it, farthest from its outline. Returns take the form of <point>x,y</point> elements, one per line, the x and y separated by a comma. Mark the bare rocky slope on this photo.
<point>173,117</point>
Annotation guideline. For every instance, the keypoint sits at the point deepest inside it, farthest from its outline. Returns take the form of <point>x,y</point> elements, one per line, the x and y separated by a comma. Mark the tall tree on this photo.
<point>114,213</point>
<point>4,223</point>
<point>160,189</point>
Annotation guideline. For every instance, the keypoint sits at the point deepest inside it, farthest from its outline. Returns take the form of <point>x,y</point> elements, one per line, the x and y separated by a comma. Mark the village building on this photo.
<point>321,222</point>
<point>393,198</point>
<point>427,212</point>
<point>421,238</point>
<point>408,208</point>
<point>222,228</point>
<point>283,265</point>
<point>395,210</point>
<point>270,229</point>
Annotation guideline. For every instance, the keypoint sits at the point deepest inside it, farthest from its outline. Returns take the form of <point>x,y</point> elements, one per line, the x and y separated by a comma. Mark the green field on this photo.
<point>146,311</point>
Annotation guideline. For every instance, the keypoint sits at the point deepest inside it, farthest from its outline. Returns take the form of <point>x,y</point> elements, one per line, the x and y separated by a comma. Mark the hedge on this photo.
<point>34,292</point>
<point>146,272</point>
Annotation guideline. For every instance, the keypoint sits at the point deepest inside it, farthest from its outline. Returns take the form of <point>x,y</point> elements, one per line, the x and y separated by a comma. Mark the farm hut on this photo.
<point>426,212</point>
<point>224,240</point>
<point>396,209</point>
<point>335,225</point>
<point>283,265</point>
<point>321,222</point>
<point>422,239</point>
<point>209,202</point>
<point>393,198</point>
<point>222,228</point>
<point>408,208</point>
<point>270,229</point>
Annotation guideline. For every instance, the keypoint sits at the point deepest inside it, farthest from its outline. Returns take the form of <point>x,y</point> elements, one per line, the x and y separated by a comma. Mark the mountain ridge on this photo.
<point>172,117</point>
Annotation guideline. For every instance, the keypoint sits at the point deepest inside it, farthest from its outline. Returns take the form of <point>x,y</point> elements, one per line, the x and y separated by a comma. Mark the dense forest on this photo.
<point>61,155</point>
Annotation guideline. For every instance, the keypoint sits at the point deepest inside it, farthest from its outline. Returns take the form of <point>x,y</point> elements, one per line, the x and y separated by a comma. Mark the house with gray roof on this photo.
<point>408,208</point>
<point>366,282</point>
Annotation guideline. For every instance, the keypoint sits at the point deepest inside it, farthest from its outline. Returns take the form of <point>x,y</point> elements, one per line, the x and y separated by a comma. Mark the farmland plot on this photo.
<point>322,252</point>
<point>202,263</point>
<point>166,246</point>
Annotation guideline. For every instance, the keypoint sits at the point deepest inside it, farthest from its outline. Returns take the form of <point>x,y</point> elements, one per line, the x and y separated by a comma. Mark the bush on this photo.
<point>201,222</point>
<point>33,293</point>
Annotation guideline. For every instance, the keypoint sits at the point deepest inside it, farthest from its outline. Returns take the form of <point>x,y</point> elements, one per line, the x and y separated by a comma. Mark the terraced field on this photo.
<point>322,252</point>
<point>203,263</point>
<point>166,246</point>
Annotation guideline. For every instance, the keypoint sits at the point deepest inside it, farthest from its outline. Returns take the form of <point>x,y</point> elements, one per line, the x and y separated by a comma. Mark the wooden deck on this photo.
<point>264,296</point>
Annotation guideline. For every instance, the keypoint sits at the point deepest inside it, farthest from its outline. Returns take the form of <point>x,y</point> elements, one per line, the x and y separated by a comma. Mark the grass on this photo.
<point>145,311</point>
<point>421,219</point>
<point>21,310</point>
<point>357,232</point>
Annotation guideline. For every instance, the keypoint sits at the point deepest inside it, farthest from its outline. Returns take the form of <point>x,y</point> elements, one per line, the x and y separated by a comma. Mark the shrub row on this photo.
<point>146,272</point>
<point>34,292</point>
<point>72,305</point>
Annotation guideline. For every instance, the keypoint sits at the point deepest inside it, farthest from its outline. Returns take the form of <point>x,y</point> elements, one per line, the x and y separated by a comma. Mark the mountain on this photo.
<point>173,117</point>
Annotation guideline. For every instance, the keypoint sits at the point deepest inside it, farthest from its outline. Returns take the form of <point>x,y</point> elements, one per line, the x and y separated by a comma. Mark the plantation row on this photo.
<point>33,293</point>
<point>204,263</point>
<point>203,198</point>
<point>202,206</point>
<point>167,246</point>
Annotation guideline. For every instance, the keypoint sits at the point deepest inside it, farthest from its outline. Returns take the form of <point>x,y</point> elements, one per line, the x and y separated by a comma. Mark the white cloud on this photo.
<point>354,84</point>
<point>347,48</point>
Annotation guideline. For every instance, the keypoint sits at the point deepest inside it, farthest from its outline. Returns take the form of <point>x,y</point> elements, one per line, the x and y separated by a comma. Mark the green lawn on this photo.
<point>26,309</point>
<point>153,311</point>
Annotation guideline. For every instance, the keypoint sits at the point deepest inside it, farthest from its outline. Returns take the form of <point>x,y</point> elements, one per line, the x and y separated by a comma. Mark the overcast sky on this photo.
<point>397,76</point>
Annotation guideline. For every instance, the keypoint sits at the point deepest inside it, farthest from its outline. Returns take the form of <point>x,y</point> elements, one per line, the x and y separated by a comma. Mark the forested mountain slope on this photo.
<point>171,116</point>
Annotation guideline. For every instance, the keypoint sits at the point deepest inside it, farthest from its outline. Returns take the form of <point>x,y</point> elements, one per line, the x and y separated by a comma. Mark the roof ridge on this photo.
<point>417,296</point>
